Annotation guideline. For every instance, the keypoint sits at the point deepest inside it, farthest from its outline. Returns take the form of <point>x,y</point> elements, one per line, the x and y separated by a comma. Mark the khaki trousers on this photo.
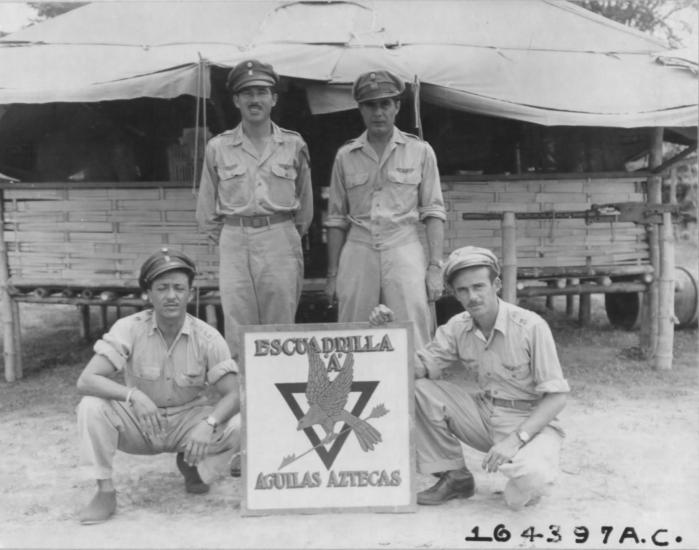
<point>394,277</point>
<point>106,426</point>
<point>260,277</point>
<point>447,413</point>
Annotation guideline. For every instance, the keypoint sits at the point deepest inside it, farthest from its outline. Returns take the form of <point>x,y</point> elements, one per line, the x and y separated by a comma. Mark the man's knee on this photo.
<point>90,407</point>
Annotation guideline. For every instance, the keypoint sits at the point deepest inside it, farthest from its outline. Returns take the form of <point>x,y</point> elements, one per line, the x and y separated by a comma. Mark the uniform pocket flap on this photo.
<point>288,172</point>
<point>229,172</point>
<point>356,179</point>
<point>411,177</point>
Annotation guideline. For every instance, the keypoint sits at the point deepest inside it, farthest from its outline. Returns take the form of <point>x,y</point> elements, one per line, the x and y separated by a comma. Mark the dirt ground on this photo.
<point>629,464</point>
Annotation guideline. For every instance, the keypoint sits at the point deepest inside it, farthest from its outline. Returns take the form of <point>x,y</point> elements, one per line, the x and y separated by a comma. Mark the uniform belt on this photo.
<point>197,402</point>
<point>518,404</point>
<point>258,221</point>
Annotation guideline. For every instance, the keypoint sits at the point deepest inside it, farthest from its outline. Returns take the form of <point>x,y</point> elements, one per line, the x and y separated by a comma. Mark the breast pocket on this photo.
<point>194,374</point>
<point>403,188</point>
<point>147,371</point>
<point>407,176</point>
<point>282,185</point>
<point>516,370</point>
<point>232,185</point>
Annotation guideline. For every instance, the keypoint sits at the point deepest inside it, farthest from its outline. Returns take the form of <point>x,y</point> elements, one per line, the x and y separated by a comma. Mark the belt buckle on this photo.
<point>259,221</point>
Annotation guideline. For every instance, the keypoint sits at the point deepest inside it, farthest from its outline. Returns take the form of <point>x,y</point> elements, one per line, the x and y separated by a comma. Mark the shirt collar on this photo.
<point>186,326</point>
<point>238,135</point>
<point>361,141</point>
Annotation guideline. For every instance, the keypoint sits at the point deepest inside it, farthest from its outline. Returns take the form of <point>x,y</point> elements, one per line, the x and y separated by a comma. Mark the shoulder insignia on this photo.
<point>464,318</point>
<point>521,317</point>
<point>287,131</point>
<point>413,136</point>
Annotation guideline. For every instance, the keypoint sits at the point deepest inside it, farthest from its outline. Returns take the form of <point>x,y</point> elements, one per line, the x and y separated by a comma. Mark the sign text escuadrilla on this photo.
<point>327,416</point>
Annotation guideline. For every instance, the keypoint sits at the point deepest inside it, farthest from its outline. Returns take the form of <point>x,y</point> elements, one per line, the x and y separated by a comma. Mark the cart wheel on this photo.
<point>623,309</point>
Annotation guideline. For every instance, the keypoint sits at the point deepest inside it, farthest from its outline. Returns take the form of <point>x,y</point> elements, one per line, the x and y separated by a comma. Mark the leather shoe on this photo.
<point>192,481</point>
<point>452,484</point>
<point>101,508</point>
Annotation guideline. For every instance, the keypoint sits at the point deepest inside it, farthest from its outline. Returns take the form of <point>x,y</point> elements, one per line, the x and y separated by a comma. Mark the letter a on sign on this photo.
<point>328,427</point>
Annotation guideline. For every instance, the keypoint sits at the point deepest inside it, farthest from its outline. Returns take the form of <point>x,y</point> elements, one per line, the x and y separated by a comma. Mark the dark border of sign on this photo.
<point>407,508</point>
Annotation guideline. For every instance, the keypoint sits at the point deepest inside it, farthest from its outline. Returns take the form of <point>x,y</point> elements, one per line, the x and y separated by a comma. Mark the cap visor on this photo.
<point>252,83</point>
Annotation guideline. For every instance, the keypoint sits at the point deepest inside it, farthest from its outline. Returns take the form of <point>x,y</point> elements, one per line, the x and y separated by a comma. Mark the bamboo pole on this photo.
<point>584,310</point>
<point>666,296</point>
<point>19,369</point>
<point>648,334</point>
<point>8,312</point>
<point>509,258</point>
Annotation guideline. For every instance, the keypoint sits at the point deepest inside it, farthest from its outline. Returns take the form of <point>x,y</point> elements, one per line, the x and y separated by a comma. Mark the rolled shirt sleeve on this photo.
<point>218,358</point>
<point>431,203</point>
<point>548,374</point>
<point>338,207</point>
<point>116,345</point>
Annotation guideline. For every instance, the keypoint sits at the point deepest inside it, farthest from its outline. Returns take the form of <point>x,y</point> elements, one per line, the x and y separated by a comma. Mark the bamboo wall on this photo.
<point>98,236</point>
<point>553,242</point>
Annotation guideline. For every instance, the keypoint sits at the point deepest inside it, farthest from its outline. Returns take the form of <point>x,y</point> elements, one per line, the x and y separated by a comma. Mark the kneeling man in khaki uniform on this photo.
<point>168,359</point>
<point>521,389</point>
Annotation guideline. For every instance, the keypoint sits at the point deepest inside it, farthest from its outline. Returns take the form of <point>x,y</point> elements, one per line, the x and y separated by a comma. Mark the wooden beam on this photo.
<point>648,334</point>
<point>509,258</point>
<point>8,311</point>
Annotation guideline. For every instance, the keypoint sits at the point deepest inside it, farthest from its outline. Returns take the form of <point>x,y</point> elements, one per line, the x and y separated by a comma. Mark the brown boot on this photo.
<point>101,508</point>
<point>452,484</point>
<point>192,482</point>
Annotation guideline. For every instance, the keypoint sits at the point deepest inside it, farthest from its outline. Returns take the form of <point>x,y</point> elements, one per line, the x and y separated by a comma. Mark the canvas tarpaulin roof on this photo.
<point>541,61</point>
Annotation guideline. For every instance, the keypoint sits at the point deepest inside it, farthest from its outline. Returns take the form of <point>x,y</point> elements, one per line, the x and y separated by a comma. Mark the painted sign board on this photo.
<point>327,418</point>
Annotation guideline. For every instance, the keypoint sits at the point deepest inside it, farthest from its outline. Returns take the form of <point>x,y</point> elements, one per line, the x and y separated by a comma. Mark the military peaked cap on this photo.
<point>376,85</point>
<point>469,256</point>
<point>161,262</point>
<point>251,73</point>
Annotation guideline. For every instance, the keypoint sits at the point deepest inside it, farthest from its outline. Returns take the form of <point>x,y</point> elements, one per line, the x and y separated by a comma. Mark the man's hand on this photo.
<point>146,413</point>
<point>197,443</point>
<point>330,288</point>
<point>501,453</point>
<point>381,315</point>
<point>434,283</point>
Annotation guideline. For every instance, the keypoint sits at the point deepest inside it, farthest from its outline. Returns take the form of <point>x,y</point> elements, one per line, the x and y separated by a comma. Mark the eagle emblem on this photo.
<point>327,400</point>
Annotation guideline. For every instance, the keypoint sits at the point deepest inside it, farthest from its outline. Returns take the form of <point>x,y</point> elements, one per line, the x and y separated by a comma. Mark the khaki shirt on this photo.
<point>236,180</point>
<point>519,361</point>
<point>170,377</point>
<point>382,200</point>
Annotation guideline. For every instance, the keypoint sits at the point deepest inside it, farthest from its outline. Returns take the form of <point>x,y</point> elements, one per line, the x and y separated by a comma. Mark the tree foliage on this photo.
<point>656,17</point>
<point>47,10</point>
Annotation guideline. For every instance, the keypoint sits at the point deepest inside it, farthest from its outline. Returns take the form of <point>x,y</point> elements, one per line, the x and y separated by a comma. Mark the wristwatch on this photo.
<point>437,263</point>
<point>524,437</point>
<point>211,421</point>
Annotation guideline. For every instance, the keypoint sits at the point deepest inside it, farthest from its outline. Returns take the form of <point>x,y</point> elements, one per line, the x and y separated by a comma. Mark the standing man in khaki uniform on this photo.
<point>168,359</point>
<point>383,183</point>
<point>256,202</point>
<point>512,419</point>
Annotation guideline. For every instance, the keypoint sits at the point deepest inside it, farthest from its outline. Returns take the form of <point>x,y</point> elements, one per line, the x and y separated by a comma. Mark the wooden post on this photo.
<point>8,311</point>
<point>210,313</point>
<point>666,296</point>
<point>509,258</point>
<point>84,310</point>
<point>104,317</point>
<point>19,369</point>
<point>648,334</point>
<point>584,309</point>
